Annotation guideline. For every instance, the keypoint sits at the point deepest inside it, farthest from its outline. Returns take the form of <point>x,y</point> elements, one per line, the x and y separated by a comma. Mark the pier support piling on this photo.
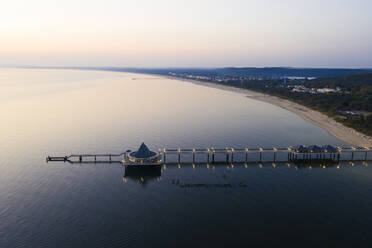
<point>260,156</point>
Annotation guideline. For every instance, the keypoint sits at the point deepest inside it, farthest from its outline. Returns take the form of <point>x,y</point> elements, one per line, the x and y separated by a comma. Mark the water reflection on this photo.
<point>142,174</point>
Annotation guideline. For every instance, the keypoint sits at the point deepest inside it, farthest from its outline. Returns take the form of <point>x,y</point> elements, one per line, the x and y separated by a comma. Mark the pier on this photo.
<point>88,158</point>
<point>297,154</point>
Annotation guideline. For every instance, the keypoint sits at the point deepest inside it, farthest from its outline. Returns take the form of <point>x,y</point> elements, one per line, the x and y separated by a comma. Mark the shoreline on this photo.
<point>333,127</point>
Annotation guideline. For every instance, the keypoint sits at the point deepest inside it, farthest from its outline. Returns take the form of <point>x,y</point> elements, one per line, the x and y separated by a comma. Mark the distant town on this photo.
<point>295,88</point>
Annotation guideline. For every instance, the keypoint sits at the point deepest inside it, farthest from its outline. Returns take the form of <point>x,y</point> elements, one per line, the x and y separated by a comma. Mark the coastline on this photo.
<point>334,128</point>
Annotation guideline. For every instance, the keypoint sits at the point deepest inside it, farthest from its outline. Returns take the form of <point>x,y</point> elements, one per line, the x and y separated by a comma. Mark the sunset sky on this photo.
<point>207,33</point>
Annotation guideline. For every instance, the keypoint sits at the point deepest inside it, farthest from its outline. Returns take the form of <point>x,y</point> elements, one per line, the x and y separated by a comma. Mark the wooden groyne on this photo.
<point>298,154</point>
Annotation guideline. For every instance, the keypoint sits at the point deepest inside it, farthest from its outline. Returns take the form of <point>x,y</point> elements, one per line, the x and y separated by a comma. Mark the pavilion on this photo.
<point>314,153</point>
<point>143,156</point>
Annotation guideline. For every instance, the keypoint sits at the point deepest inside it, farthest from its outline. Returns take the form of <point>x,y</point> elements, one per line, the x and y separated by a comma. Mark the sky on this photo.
<point>192,33</point>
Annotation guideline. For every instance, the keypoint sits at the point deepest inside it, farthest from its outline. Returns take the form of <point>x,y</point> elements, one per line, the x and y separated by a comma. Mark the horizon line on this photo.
<point>182,67</point>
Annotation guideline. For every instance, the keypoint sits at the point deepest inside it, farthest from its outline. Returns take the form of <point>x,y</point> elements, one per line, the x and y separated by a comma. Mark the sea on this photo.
<point>58,112</point>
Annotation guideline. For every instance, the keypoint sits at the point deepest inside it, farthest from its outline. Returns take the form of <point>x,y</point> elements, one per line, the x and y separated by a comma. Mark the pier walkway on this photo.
<point>298,154</point>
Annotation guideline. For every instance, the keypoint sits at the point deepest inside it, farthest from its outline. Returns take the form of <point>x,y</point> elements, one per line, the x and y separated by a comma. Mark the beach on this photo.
<point>334,128</point>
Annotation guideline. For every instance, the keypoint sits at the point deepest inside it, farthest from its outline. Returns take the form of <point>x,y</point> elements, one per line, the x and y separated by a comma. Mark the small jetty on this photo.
<point>144,157</point>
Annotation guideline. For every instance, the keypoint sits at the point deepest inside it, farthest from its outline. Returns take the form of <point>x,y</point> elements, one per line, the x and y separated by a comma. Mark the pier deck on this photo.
<point>231,155</point>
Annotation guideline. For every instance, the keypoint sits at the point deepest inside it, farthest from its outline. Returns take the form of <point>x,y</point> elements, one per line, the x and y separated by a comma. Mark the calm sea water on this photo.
<point>58,112</point>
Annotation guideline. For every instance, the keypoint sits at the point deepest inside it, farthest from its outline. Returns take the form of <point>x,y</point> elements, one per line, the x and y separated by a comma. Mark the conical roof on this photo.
<point>143,152</point>
<point>330,148</point>
<point>315,149</point>
<point>301,148</point>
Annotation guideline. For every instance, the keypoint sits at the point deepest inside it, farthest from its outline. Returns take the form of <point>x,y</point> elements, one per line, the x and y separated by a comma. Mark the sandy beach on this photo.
<point>336,129</point>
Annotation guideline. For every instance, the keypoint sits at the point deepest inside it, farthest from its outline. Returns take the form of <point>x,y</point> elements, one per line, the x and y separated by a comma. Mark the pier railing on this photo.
<point>89,158</point>
<point>231,155</point>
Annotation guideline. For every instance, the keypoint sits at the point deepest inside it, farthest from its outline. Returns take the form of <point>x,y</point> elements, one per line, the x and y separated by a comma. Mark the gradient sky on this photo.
<point>208,33</point>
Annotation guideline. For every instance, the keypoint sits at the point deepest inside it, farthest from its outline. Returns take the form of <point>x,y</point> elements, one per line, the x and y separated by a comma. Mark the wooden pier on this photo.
<point>296,154</point>
<point>89,158</point>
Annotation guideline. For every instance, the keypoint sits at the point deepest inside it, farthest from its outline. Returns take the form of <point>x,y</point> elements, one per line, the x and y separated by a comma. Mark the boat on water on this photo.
<point>143,157</point>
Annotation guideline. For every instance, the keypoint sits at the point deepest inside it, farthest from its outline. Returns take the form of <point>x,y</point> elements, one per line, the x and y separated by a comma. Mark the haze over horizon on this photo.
<point>165,33</point>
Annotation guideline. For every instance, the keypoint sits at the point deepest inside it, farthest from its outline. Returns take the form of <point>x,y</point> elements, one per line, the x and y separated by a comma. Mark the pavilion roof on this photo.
<point>143,152</point>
